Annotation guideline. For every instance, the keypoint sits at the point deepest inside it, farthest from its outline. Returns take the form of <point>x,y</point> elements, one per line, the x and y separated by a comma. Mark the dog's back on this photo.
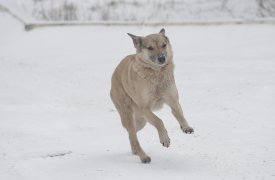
<point>122,68</point>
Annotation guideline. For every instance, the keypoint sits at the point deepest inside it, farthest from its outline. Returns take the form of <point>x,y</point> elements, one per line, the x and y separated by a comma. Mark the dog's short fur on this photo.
<point>141,83</point>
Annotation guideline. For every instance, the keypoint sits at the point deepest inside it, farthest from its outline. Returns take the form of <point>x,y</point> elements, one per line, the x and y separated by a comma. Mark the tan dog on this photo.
<point>141,83</point>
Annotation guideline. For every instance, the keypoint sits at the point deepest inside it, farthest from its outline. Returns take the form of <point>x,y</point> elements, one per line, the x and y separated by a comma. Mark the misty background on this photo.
<point>142,10</point>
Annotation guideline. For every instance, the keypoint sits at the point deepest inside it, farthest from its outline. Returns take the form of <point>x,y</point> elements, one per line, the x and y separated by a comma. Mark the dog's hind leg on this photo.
<point>123,105</point>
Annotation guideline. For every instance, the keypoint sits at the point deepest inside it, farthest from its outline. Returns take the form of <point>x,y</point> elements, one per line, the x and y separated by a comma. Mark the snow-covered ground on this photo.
<point>57,120</point>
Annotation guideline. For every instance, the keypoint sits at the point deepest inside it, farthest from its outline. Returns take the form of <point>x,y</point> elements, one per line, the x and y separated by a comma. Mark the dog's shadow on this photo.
<point>176,163</point>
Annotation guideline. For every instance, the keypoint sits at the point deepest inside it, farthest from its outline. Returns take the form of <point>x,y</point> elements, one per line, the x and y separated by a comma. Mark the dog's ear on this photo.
<point>137,40</point>
<point>162,31</point>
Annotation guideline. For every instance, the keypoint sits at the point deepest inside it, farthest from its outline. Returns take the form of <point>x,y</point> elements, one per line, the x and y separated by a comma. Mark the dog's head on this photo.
<point>154,49</point>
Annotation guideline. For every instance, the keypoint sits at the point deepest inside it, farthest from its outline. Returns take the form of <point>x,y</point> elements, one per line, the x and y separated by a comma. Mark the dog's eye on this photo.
<point>150,48</point>
<point>164,45</point>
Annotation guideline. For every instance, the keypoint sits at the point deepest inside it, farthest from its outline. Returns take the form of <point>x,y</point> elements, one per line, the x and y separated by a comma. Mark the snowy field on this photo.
<point>58,122</point>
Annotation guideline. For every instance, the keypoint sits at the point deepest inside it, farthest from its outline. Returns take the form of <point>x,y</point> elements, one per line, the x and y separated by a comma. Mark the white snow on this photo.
<point>58,122</point>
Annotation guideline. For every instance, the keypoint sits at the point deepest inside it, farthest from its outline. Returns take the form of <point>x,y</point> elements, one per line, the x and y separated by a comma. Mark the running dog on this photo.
<point>141,84</point>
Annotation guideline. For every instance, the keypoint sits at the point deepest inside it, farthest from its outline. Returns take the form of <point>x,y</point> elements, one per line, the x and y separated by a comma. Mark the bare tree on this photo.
<point>266,8</point>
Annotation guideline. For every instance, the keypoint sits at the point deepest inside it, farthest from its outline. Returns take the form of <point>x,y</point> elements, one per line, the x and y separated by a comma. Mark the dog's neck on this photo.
<point>155,74</point>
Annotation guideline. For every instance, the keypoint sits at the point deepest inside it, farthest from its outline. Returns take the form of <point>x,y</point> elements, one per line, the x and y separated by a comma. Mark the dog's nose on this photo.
<point>161,59</point>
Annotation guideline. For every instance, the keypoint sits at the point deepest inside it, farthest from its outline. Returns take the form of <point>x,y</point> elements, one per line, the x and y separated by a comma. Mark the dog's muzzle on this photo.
<point>161,59</point>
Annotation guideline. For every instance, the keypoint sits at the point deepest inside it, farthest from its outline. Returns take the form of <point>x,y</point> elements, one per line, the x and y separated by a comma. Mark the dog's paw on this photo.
<point>187,130</point>
<point>145,159</point>
<point>165,141</point>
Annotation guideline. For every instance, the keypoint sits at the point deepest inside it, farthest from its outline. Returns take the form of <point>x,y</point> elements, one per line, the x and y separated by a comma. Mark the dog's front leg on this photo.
<point>157,122</point>
<point>172,100</point>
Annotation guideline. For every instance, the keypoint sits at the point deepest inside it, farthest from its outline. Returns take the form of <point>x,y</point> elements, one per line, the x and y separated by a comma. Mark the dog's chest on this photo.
<point>154,96</point>
<point>154,89</point>
<point>150,85</point>
<point>157,80</point>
